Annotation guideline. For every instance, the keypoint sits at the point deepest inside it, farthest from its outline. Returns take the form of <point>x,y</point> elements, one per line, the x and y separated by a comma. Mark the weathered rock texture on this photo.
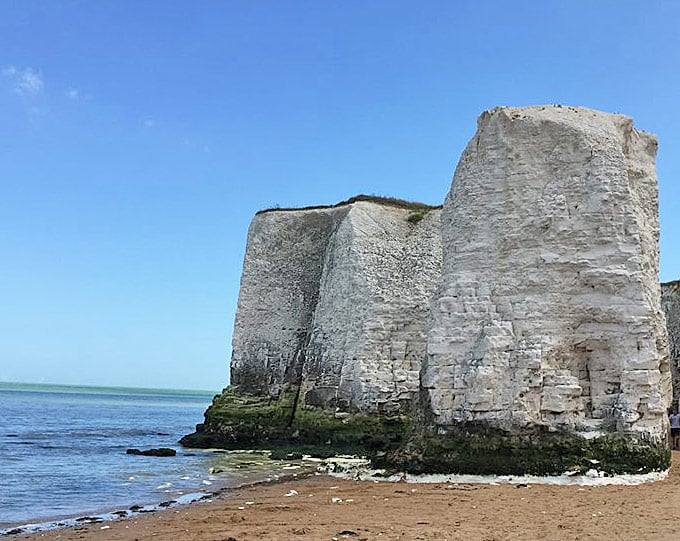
<point>549,308</point>
<point>518,330</point>
<point>670,300</point>
<point>334,304</point>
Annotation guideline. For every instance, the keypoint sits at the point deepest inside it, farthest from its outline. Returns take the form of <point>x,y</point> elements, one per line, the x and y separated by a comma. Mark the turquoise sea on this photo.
<point>62,452</point>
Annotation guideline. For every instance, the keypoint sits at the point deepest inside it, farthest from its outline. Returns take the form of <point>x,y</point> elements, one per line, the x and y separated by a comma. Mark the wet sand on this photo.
<point>404,511</point>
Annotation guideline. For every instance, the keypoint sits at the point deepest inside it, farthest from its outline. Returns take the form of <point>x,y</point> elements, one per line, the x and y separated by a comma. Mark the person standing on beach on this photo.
<point>675,429</point>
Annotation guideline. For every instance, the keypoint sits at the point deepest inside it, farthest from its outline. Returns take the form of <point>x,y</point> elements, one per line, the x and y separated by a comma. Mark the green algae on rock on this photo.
<point>238,421</point>
<point>476,451</point>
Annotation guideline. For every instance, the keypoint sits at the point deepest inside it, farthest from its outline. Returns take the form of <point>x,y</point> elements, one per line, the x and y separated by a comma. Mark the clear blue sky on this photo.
<point>138,139</point>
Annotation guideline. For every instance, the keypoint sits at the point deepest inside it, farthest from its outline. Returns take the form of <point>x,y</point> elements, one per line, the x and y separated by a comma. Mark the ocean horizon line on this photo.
<point>99,389</point>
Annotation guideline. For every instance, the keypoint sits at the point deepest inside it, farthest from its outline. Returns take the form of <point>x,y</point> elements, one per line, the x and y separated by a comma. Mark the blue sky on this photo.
<point>139,138</point>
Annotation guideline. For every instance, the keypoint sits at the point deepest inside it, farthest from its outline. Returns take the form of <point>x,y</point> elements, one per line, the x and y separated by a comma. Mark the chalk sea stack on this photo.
<point>331,327</point>
<point>518,329</point>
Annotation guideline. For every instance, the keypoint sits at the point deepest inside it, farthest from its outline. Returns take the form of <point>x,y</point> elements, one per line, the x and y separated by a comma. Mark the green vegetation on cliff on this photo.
<point>474,449</point>
<point>379,200</point>
<point>236,421</point>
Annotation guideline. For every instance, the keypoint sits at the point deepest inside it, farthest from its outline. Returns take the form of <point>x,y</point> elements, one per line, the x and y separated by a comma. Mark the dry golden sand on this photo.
<point>390,511</point>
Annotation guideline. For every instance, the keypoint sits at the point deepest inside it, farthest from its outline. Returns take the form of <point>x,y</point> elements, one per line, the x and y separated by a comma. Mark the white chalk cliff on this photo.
<point>335,302</point>
<point>524,317</point>
<point>548,312</point>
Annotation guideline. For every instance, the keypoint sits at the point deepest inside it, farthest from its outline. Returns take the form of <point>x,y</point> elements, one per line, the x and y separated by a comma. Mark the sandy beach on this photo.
<point>326,508</point>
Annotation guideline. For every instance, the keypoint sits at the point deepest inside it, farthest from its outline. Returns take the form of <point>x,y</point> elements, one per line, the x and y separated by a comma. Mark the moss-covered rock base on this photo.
<point>236,421</point>
<point>479,450</point>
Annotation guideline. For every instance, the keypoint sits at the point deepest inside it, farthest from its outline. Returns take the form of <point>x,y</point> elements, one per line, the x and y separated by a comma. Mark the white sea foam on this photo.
<point>359,469</point>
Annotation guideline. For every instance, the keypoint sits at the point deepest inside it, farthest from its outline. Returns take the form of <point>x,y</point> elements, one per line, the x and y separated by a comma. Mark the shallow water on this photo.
<point>62,451</point>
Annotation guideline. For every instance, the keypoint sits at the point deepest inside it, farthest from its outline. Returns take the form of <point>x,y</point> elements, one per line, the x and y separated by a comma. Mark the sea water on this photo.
<point>62,451</point>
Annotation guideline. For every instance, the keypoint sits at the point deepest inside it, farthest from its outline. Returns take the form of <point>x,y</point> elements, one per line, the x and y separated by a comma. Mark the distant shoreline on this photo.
<point>100,389</point>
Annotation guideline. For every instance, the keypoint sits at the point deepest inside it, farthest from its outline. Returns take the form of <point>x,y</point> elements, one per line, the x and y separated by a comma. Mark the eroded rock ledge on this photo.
<point>517,330</point>
<point>670,300</point>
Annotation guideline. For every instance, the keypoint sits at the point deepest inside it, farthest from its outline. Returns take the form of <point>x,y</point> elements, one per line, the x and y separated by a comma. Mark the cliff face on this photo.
<point>278,297</point>
<point>518,330</point>
<point>670,300</point>
<point>548,312</point>
<point>333,306</point>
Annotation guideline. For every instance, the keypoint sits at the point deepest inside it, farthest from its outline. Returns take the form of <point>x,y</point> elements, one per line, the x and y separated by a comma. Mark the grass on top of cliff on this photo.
<point>379,200</point>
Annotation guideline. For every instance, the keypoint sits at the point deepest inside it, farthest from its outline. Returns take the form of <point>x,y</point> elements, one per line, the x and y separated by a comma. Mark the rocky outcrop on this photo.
<point>334,304</point>
<point>160,451</point>
<point>279,293</point>
<point>518,330</point>
<point>670,300</point>
<point>549,310</point>
<point>331,327</point>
